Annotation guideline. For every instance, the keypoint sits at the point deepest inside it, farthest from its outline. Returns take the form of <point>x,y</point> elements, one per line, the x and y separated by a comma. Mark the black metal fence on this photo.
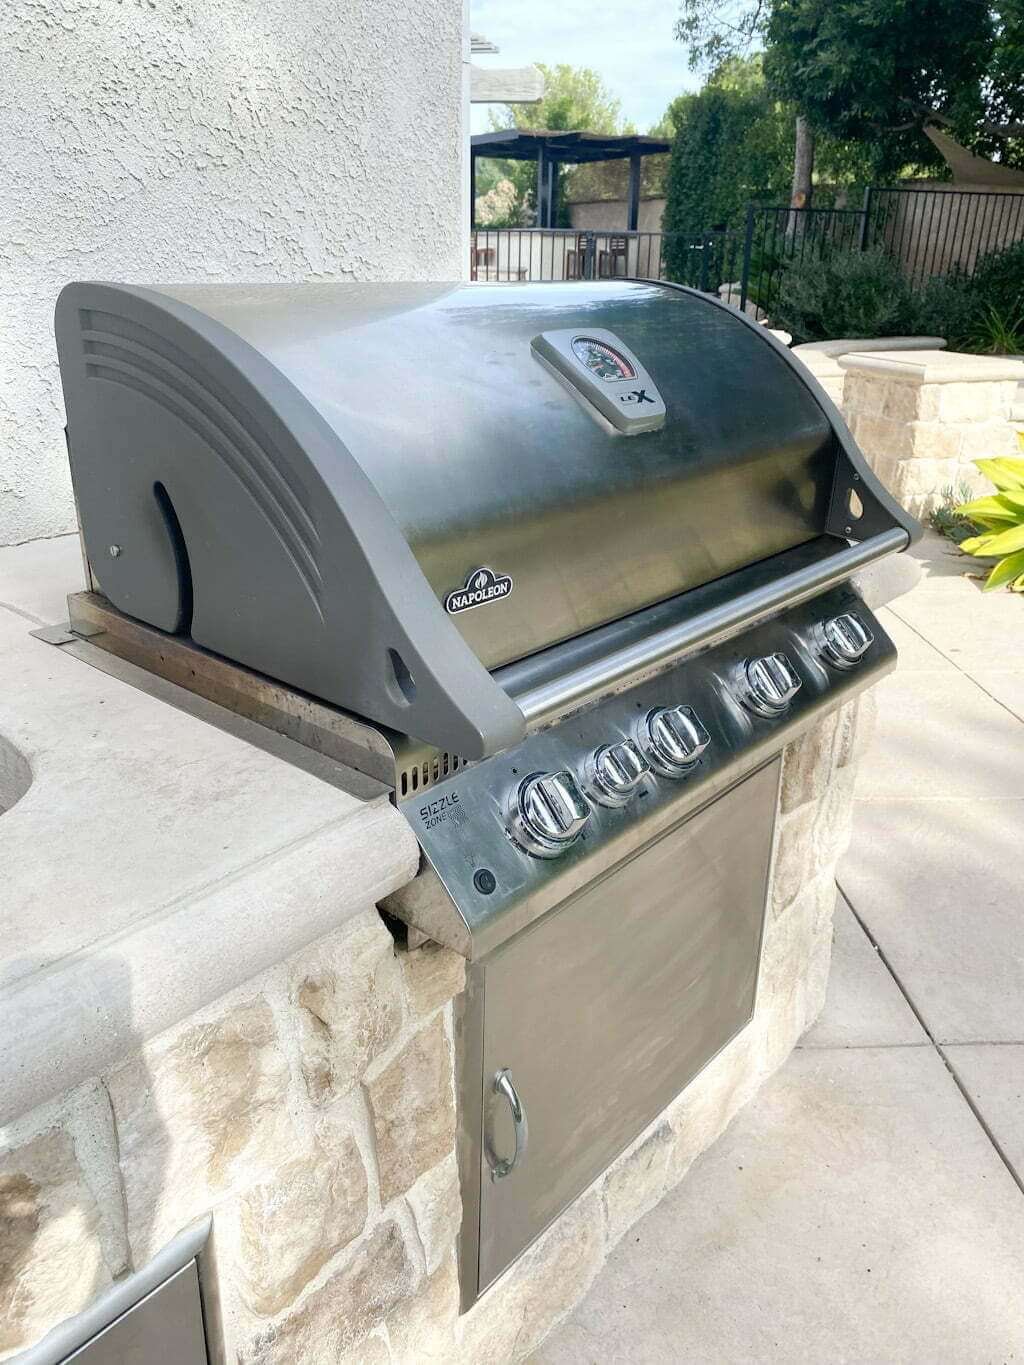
<point>509,254</point>
<point>942,231</point>
<point>930,231</point>
<point>775,236</point>
<point>705,260</point>
<point>738,266</point>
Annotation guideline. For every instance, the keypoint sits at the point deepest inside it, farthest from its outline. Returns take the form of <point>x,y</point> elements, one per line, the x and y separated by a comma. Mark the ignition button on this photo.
<point>485,881</point>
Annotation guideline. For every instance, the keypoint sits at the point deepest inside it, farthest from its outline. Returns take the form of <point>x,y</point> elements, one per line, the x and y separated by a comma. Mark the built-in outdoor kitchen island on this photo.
<point>270,1019</point>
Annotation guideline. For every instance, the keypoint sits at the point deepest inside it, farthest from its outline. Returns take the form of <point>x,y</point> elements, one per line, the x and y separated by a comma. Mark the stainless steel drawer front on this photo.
<point>165,1328</point>
<point>605,1009</point>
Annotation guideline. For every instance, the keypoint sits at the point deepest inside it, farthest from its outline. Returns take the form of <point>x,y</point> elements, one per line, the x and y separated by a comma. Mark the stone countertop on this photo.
<point>844,345</point>
<point>163,853</point>
<point>930,366</point>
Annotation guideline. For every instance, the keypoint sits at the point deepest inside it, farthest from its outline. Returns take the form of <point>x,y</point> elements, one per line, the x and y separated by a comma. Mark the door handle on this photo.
<point>503,1166</point>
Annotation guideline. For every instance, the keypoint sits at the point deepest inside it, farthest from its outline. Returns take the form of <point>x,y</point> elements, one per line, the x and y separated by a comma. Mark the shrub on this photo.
<point>703,189</point>
<point>843,294</point>
<point>998,281</point>
<point>1002,521</point>
<point>853,293</point>
<point>946,306</point>
<point>998,331</point>
<point>947,518</point>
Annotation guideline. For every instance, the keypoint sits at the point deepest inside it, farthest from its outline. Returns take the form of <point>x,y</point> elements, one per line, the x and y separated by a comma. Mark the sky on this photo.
<point>630,46</point>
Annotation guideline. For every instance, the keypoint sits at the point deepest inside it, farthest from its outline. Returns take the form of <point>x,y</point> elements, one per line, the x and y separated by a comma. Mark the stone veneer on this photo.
<point>822,357</point>
<point>312,1111</point>
<point>923,417</point>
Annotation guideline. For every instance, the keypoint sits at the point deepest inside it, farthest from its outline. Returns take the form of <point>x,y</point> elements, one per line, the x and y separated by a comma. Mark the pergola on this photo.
<point>550,148</point>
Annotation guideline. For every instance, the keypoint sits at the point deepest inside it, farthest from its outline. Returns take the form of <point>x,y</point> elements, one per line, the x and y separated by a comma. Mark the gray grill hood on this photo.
<point>300,475</point>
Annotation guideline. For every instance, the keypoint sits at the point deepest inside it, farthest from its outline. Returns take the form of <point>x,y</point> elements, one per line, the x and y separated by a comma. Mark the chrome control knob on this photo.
<point>615,772</point>
<point>549,812</point>
<point>770,684</point>
<point>844,640</point>
<point>673,740</point>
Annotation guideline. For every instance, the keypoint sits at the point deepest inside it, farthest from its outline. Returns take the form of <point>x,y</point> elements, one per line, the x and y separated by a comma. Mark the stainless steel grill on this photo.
<point>566,567</point>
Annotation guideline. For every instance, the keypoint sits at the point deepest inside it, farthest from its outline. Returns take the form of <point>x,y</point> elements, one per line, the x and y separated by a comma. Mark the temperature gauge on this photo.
<point>602,359</point>
<point>606,374</point>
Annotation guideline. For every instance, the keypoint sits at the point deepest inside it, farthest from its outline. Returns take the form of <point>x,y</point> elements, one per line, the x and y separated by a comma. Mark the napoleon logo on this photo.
<point>481,585</point>
<point>636,396</point>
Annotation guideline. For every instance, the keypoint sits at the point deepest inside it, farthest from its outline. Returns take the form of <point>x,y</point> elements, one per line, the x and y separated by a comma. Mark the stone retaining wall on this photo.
<point>923,417</point>
<point>313,1113</point>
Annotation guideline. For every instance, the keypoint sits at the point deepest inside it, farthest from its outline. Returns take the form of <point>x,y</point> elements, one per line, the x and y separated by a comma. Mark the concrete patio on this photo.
<point>868,1205</point>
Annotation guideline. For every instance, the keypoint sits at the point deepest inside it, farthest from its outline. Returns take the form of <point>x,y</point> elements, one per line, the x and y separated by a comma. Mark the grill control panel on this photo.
<point>770,684</point>
<point>845,640</point>
<point>674,740</point>
<point>513,835</point>
<point>615,773</point>
<point>549,812</point>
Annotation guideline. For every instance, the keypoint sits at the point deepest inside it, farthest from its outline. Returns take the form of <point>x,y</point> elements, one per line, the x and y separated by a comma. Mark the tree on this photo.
<point>717,31</point>
<point>731,147</point>
<point>673,118</point>
<point>876,70</point>
<point>575,98</point>
<point>734,144</point>
<point>1003,116</point>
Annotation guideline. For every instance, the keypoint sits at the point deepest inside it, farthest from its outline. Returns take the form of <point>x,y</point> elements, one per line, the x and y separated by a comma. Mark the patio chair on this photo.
<point>608,260</point>
<point>576,258</point>
<point>483,257</point>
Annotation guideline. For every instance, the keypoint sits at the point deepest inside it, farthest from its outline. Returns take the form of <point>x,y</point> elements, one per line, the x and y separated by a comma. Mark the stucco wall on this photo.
<point>610,215</point>
<point>144,141</point>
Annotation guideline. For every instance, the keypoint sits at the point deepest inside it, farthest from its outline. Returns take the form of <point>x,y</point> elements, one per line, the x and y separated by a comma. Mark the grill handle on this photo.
<point>545,699</point>
<point>503,1166</point>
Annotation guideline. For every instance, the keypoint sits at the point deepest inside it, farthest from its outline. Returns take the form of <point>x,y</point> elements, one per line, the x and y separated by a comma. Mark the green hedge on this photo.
<point>853,293</point>
<point>842,294</point>
<point>999,280</point>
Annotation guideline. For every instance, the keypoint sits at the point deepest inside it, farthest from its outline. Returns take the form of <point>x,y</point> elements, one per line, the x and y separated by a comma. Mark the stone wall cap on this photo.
<point>934,367</point>
<point>156,861</point>
<point>820,363</point>
<point>843,345</point>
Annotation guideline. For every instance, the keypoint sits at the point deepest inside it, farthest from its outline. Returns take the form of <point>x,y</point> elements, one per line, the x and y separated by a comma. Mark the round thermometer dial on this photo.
<point>602,359</point>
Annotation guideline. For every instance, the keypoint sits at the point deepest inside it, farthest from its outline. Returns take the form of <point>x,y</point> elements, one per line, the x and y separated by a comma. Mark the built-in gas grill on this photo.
<point>565,566</point>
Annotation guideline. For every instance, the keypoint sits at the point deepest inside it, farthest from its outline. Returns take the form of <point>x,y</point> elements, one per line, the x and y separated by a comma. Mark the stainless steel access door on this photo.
<point>606,1008</point>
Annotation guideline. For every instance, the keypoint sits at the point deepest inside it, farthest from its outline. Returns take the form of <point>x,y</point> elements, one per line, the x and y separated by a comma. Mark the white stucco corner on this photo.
<point>232,141</point>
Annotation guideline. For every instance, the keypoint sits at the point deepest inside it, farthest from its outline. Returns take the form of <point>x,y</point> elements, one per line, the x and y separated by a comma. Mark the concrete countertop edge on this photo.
<point>882,582</point>
<point>79,1017</point>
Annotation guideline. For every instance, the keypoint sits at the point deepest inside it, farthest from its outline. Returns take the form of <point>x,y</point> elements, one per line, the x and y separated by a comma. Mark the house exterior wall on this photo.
<point>195,142</point>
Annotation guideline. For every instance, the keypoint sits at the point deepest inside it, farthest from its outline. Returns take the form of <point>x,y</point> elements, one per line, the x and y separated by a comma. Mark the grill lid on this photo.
<point>378,493</point>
